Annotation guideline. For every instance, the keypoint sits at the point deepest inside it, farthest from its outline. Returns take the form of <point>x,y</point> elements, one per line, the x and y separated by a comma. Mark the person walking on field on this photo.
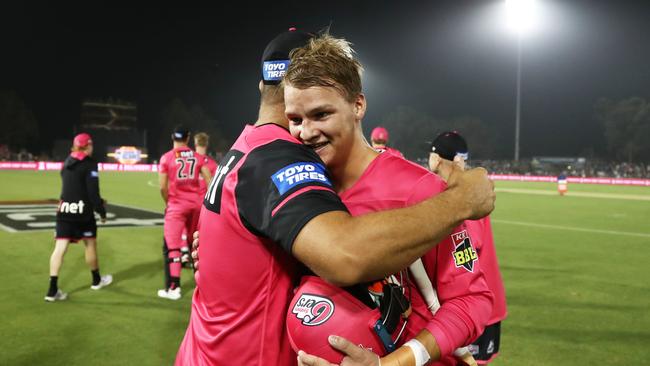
<point>75,218</point>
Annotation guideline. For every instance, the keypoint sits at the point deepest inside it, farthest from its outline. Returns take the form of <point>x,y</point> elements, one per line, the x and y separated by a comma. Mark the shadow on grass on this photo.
<point>133,272</point>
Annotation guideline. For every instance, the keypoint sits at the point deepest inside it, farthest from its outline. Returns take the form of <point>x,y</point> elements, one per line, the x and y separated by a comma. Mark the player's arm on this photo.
<point>92,186</point>
<point>308,220</point>
<point>163,182</point>
<point>206,174</point>
<point>347,250</point>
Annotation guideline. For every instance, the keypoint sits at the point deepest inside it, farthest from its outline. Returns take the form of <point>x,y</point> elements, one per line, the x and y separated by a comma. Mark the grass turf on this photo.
<point>578,288</point>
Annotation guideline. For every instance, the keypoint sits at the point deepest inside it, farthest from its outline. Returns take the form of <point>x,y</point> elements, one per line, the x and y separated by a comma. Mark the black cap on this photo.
<point>449,144</point>
<point>275,59</point>
<point>180,133</point>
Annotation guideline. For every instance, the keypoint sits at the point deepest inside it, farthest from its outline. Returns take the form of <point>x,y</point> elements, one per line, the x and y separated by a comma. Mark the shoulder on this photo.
<point>418,182</point>
<point>281,150</point>
<point>404,169</point>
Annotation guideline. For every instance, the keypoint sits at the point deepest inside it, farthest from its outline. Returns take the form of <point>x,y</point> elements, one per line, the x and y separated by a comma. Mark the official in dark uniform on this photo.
<point>75,218</point>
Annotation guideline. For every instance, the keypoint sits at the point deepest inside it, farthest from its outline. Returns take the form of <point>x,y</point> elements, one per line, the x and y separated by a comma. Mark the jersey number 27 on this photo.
<point>181,172</point>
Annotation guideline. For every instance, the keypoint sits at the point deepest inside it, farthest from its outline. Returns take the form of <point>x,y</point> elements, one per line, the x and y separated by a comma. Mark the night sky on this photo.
<point>442,58</point>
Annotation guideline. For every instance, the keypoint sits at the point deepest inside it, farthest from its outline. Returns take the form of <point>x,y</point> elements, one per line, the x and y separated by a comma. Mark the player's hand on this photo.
<point>102,220</point>
<point>354,355</point>
<point>474,192</point>
<point>195,250</point>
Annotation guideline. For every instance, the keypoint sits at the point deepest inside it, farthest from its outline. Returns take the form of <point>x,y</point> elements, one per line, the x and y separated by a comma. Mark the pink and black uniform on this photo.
<point>391,182</point>
<point>486,347</point>
<point>267,187</point>
<point>183,168</point>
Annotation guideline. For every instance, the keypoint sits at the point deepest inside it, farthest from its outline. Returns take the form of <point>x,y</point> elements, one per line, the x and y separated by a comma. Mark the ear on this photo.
<point>434,162</point>
<point>360,107</point>
<point>459,162</point>
<point>260,85</point>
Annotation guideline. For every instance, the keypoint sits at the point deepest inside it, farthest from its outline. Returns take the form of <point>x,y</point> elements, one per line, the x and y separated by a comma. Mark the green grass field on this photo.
<point>576,272</point>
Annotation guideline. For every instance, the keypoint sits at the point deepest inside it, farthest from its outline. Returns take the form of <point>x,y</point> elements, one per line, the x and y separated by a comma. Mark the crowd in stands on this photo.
<point>589,168</point>
<point>7,154</point>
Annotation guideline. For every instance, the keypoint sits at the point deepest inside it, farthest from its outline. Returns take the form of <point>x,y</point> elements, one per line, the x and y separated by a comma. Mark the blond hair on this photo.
<point>328,62</point>
<point>201,139</point>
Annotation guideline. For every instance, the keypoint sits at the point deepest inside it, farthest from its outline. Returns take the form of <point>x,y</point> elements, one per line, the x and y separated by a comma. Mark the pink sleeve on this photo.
<point>466,300</point>
<point>162,166</point>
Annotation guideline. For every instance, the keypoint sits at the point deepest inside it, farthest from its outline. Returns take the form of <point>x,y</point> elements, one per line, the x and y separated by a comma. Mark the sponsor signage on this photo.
<point>30,216</point>
<point>127,154</point>
<point>586,180</point>
<point>299,173</point>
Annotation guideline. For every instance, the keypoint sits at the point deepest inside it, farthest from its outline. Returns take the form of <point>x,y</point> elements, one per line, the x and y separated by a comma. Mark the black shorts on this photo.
<point>486,347</point>
<point>75,230</point>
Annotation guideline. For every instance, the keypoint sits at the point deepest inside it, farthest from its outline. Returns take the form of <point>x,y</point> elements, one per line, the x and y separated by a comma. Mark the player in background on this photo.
<point>447,148</point>
<point>201,142</point>
<point>325,106</point>
<point>562,184</point>
<point>179,172</point>
<point>270,206</point>
<point>75,217</point>
<point>379,141</point>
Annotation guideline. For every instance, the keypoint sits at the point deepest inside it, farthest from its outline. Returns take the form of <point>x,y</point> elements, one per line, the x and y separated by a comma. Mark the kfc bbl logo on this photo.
<point>313,309</point>
<point>464,254</point>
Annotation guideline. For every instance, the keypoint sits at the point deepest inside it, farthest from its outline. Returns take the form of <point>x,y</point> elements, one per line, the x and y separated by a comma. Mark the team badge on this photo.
<point>464,254</point>
<point>313,309</point>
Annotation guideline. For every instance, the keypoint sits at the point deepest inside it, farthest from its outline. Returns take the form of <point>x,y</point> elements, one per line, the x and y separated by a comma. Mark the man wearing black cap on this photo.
<point>447,149</point>
<point>178,177</point>
<point>270,206</point>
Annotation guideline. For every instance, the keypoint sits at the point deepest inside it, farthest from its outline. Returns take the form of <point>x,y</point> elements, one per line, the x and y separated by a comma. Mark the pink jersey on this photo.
<point>390,150</point>
<point>393,182</point>
<point>482,231</point>
<point>183,168</point>
<point>212,166</point>
<point>267,187</point>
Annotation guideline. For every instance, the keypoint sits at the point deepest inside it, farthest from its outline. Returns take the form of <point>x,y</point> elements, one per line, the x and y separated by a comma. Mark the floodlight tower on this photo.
<point>520,20</point>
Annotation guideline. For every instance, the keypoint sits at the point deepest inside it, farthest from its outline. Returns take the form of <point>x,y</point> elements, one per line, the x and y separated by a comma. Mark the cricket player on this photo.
<point>379,141</point>
<point>272,205</point>
<point>178,176</point>
<point>325,106</point>
<point>447,148</point>
<point>562,185</point>
<point>75,217</point>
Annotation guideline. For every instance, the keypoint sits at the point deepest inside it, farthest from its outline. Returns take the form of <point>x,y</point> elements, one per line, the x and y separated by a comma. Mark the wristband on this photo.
<point>419,351</point>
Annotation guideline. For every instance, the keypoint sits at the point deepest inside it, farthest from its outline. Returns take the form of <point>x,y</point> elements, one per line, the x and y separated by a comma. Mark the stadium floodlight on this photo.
<point>521,16</point>
<point>521,19</point>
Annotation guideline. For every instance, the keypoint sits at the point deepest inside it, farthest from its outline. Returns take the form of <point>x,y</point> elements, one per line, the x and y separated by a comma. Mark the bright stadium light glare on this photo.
<point>521,16</point>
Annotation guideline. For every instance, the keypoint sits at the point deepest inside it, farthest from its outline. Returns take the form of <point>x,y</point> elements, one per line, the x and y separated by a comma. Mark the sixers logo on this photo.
<point>313,309</point>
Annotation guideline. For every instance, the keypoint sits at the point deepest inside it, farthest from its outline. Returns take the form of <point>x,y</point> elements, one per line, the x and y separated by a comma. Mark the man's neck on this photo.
<point>272,113</point>
<point>346,175</point>
<point>201,149</point>
<point>178,144</point>
<point>444,169</point>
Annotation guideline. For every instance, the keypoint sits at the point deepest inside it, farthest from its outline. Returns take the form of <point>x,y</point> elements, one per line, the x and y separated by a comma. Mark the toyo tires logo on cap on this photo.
<point>275,70</point>
<point>313,309</point>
